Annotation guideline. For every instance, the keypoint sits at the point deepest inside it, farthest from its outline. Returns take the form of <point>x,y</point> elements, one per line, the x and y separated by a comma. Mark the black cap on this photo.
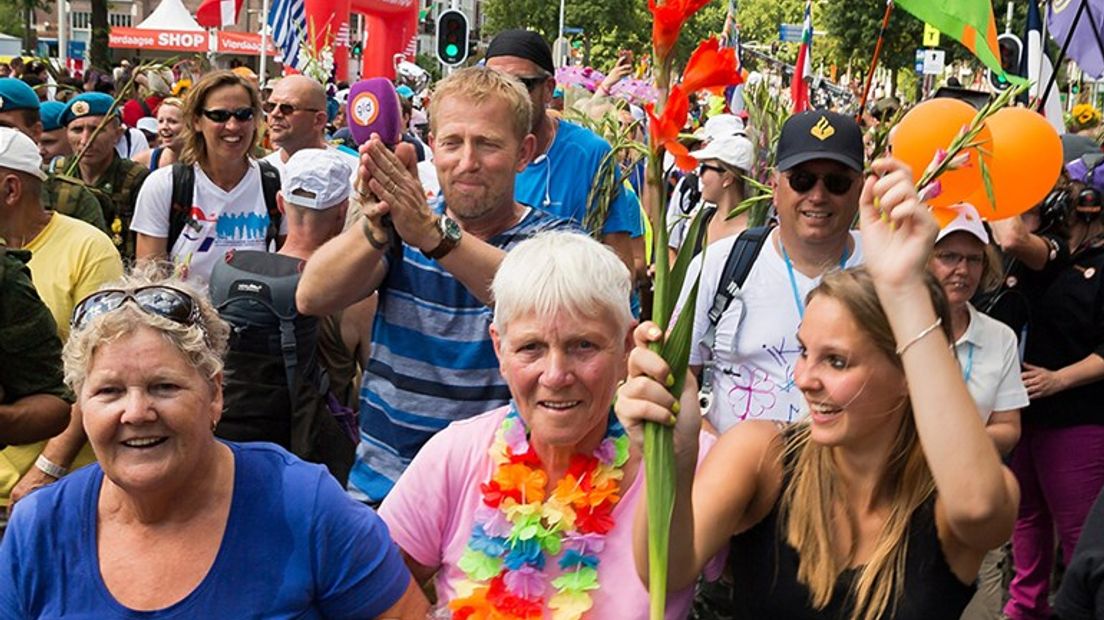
<point>523,44</point>
<point>820,135</point>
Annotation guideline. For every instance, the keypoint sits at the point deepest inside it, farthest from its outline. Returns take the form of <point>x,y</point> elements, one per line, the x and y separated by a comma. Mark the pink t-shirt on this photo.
<point>430,513</point>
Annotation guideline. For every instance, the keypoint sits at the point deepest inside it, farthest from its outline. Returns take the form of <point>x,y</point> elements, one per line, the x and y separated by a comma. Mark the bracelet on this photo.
<point>375,243</point>
<point>50,468</point>
<point>927,330</point>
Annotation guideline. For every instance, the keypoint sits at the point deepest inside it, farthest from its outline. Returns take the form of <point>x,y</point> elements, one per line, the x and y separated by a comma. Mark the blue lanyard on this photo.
<point>969,370</point>
<point>793,280</point>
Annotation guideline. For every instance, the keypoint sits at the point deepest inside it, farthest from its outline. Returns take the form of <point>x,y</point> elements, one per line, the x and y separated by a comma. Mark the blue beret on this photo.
<point>50,112</point>
<point>16,94</point>
<point>87,104</point>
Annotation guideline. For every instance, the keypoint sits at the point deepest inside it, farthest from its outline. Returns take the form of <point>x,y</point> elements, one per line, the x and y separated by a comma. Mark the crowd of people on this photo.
<point>249,368</point>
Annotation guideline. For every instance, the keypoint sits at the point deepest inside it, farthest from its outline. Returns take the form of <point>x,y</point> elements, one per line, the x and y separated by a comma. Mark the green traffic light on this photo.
<point>452,50</point>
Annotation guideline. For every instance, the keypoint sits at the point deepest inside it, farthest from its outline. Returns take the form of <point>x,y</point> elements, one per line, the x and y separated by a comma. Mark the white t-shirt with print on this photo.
<point>756,344</point>
<point>220,220</point>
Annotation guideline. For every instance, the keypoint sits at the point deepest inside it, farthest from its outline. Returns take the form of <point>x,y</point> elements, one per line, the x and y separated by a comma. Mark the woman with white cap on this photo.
<point>988,355</point>
<point>724,163</point>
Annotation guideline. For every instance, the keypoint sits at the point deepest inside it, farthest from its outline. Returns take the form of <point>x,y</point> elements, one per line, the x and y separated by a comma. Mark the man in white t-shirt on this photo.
<point>750,364</point>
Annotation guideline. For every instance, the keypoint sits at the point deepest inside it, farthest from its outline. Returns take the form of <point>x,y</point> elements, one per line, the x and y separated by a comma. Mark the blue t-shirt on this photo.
<point>559,181</point>
<point>433,361</point>
<point>295,546</point>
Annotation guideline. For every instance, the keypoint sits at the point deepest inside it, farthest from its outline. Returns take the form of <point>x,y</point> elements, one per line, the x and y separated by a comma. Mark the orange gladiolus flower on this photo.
<point>667,21</point>
<point>711,67</point>
<point>664,130</point>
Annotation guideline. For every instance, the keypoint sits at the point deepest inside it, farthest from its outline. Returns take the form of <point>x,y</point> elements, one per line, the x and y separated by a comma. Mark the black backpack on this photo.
<point>183,193</point>
<point>274,387</point>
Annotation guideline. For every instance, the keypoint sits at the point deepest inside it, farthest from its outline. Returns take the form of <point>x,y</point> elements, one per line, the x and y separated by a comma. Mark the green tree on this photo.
<point>98,52</point>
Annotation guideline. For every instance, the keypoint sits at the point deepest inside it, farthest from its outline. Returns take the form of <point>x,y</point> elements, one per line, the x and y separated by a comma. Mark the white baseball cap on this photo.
<point>968,220</point>
<point>720,126</point>
<point>147,123</point>
<point>733,150</point>
<point>18,152</point>
<point>316,178</point>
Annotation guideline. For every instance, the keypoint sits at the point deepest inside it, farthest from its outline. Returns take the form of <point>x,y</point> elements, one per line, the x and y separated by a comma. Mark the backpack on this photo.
<point>183,193</point>
<point>736,269</point>
<point>274,388</point>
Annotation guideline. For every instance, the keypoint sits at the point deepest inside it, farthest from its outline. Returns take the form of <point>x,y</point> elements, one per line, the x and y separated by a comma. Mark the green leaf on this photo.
<point>685,255</point>
<point>659,470</point>
<point>988,181</point>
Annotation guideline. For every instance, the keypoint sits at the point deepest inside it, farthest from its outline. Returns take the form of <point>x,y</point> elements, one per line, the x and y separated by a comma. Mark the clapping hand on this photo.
<point>392,178</point>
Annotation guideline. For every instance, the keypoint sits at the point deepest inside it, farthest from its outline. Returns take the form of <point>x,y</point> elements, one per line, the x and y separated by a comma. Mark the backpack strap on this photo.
<point>736,269</point>
<point>183,188</point>
<point>146,111</point>
<point>270,184</point>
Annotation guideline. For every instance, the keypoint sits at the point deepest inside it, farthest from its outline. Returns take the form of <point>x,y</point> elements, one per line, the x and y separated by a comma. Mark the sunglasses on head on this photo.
<point>836,183</point>
<point>532,81</point>
<point>286,109</point>
<point>221,116</point>
<point>164,301</point>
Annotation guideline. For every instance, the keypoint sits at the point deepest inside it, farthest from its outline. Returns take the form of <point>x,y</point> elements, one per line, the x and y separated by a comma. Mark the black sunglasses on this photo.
<point>532,81</point>
<point>717,169</point>
<point>164,301</point>
<point>221,116</point>
<point>286,109</point>
<point>802,181</point>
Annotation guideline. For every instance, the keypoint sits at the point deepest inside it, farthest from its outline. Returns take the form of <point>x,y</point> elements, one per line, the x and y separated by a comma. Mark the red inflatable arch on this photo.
<point>389,26</point>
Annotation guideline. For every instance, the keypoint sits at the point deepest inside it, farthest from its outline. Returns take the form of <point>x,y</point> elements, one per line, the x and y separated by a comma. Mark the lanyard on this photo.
<point>969,369</point>
<point>793,280</point>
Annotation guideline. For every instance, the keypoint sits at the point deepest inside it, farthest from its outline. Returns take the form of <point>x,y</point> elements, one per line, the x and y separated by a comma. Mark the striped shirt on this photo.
<point>432,360</point>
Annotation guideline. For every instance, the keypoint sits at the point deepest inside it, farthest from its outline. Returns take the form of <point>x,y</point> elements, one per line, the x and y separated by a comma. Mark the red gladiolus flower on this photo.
<point>667,21</point>
<point>711,67</point>
<point>665,129</point>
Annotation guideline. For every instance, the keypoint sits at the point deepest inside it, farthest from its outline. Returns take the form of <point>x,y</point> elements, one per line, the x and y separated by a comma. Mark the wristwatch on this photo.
<point>450,237</point>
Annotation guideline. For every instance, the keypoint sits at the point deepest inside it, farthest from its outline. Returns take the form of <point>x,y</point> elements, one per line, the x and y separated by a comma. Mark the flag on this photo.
<point>970,22</point>
<point>1037,68</point>
<point>218,13</point>
<point>288,21</point>
<point>799,87</point>
<point>1083,46</point>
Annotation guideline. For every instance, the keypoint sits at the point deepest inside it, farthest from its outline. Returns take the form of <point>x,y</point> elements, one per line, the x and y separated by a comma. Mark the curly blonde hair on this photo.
<point>203,344</point>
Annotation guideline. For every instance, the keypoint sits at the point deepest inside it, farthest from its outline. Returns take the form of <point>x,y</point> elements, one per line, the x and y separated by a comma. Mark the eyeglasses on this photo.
<point>221,116</point>
<point>802,181</point>
<point>952,259</point>
<point>717,169</point>
<point>286,109</point>
<point>532,81</point>
<point>164,301</point>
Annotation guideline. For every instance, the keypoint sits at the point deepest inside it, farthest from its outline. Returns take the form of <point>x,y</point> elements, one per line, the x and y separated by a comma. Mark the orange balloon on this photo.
<point>933,125</point>
<point>1027,159</point>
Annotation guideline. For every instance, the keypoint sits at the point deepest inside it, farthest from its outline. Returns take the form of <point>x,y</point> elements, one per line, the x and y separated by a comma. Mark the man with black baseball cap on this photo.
<point>568,156</point>
<point>749,352</point>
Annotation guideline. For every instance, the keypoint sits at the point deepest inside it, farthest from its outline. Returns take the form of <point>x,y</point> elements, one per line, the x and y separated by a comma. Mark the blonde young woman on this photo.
<point>170,130</point>
<point>861,510</point>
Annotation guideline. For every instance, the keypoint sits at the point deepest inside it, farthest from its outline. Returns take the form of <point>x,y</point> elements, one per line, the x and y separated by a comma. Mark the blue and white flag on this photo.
<point>288,19</point>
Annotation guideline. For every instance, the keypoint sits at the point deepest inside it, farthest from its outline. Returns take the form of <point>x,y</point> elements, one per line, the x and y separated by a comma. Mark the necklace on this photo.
<point>519,529</point>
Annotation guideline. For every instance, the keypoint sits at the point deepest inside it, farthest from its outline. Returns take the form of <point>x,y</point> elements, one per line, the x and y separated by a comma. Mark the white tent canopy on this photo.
<point>170,15</point>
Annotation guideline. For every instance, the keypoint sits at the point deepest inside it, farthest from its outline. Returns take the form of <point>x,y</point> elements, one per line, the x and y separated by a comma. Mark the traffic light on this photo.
<point>452,37</point>
<point>1011,48</point>
<point>357,49</point>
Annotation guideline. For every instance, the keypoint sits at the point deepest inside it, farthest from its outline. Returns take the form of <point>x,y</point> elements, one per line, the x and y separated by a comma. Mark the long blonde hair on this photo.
<point>815,492</point>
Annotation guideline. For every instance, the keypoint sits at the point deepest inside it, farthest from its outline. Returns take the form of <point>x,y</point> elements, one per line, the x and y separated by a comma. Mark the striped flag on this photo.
<point>803,69</point>
<point>288,21</point>
<point>1037,68</point>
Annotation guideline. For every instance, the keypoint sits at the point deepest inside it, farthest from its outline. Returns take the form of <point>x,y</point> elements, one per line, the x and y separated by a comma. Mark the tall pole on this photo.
<point>264,43</point>
<point>874,62</point>
<point>63,34</point>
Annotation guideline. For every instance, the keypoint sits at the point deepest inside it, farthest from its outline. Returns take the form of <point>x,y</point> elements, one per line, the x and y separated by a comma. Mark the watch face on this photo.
<point>449,228</point>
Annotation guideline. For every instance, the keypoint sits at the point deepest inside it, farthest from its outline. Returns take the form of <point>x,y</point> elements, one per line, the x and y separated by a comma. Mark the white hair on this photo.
<point>556,272</point>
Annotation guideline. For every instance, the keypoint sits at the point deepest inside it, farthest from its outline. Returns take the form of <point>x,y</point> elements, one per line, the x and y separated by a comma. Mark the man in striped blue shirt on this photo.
<point>432,357</point>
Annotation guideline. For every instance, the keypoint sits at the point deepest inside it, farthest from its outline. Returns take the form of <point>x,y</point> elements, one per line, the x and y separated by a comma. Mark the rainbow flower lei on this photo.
<point>518,529</point>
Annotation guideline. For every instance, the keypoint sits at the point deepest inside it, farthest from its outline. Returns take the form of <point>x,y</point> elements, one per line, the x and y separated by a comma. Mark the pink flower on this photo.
<point>931,190</point>
<point>515,437</point>
<point>585,544</point>
<point>525,582</point>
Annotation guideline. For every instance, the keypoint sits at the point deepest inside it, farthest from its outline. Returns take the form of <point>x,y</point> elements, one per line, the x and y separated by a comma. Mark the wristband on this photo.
<point>50,468</point>
<point>918,337</point>
<point>375,243</point>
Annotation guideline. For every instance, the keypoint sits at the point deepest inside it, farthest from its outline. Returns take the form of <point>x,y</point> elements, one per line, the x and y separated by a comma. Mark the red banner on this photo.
<point>174,40</point>
<point>242,43</point>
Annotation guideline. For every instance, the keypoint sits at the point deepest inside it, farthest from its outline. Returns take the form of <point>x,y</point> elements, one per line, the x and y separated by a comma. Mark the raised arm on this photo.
<point>898,233</point>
